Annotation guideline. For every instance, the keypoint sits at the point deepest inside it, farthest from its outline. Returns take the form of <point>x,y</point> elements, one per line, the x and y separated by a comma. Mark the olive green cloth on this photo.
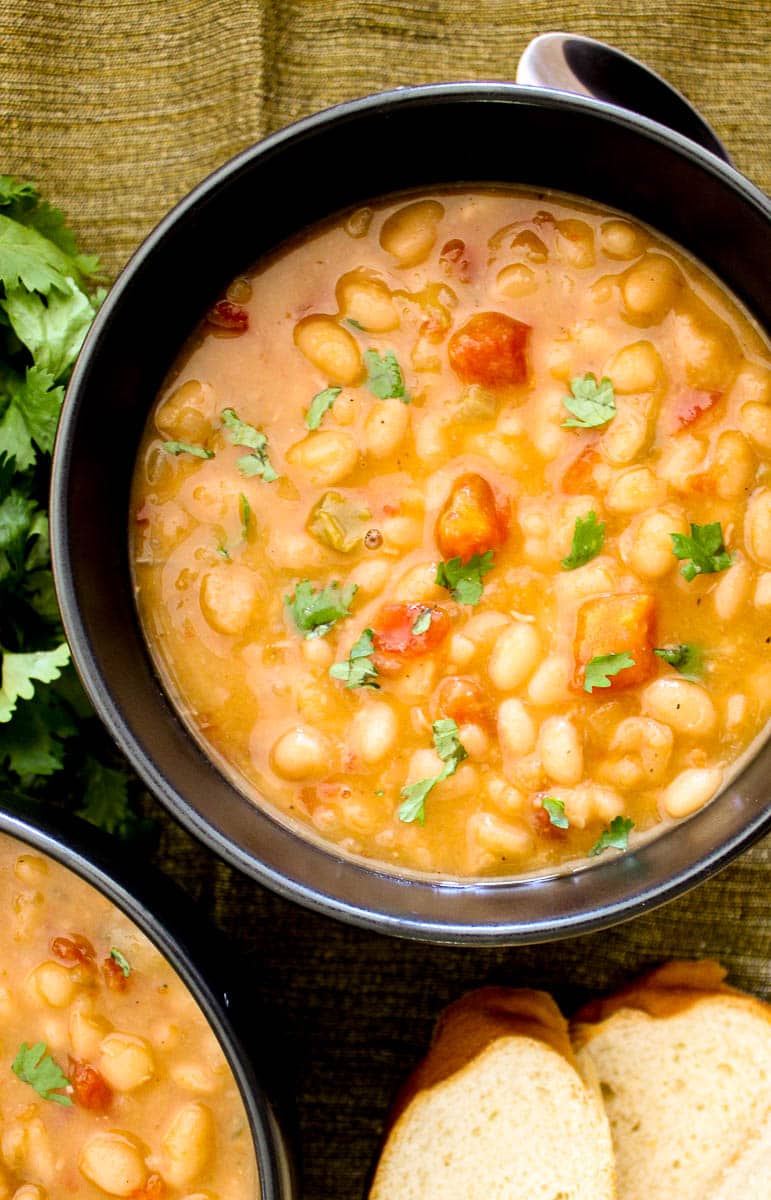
<point>117,109</point>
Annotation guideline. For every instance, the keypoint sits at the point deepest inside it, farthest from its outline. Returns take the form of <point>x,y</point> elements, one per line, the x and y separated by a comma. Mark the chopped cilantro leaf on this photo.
<point>245,511</point>
<point>314,613</point>
<point>359,670</point>
<point>588,538</point>
<point>187,448</point>
<point>703,549</point>
<point>615,837</point>
<point>319,405</point>
<point>685,658</point>
<point>34,1065</point>
<point>241,434</point>
<point>591,403</point>
<point>452,753</point>
<point>122,961</point>
<point>599,670</point>
<point>556,810</point>
<point>422,621</point>
<point>223,551</point>
<point>354,324</point>
<point>464,580</point>
<point>384,378</point>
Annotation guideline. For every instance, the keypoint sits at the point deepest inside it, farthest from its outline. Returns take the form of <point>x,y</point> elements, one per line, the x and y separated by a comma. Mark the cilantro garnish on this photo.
<point>314,613</point>
<point>245,511</point>
<point>242,434</point>
<point>354,324</point>
<point>34,1065</point>
<point>599,670</point>
<point>187,448</point>
<point>384,376</point>
<point>588,538</point>
<point>452,753</point>
<point>703,549</point>
<point>319,405</point>
<point>359,670</point>
<point>223,551</point>
<point>556,810</point>
<point>464,580</point>
<point>685,658</point>
<point>51,744</point>
<point>615,837</point>
<point>591,403</point>
<point>121,960</point>
<point>423,621</point>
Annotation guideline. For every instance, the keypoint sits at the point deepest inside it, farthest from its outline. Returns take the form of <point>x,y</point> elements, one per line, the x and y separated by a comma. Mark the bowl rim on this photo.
<point>181,937</point>
<point>647,893</point>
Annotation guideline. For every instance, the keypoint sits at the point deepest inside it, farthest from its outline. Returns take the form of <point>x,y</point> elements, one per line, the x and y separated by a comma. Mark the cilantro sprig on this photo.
<point>452,753</point>
<point>703,550</point>
<point>588,539</point>
<point>384,376</point>
<point>591,403</point>
<point>315,612</point>
<point>556,812</point>
<point>359,670</point>
<point>52,747</point>
<point>614,837</point>
<point>188,448</point>
<point>600,669</point>
<point>120,958</point>
<point>320,403</point>
<point>257,463</point>
<point>686,658</point>
<point>34,1065</point>
<point>464,581</point>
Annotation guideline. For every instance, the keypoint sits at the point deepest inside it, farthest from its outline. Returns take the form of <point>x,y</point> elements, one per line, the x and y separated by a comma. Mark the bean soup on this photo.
<point>451,532</point>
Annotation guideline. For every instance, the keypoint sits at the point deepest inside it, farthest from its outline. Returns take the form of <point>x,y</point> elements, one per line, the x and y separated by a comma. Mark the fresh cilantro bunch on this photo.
<point>51,744</point>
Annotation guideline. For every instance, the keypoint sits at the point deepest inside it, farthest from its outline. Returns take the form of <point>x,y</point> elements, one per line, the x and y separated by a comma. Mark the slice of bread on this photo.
<point>498,1110</point>
<point>684,1063</point>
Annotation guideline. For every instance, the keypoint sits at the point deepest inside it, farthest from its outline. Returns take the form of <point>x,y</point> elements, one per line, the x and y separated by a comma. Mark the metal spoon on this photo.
<point>567,62</point>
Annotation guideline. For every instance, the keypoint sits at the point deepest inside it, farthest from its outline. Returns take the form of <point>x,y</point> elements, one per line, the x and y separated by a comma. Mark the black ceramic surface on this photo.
<point>414,138</point>
<point>166,916</point>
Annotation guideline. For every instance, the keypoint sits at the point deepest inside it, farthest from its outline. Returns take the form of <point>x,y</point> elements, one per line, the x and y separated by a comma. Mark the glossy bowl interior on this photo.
<point>167,917</point>
<point>413,138</point>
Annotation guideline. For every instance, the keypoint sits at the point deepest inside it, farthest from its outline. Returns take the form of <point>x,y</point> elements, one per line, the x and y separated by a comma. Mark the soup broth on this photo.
<point>112,1082</point>
<point>451,532</point>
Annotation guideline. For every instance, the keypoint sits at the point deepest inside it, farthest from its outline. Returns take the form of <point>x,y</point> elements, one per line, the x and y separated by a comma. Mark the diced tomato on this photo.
<point>454,259</point>
<point>616,625</point>
<point>490,349</point>
<point>542,822</point>
<point>578,476</point>
<point>113,975</point>
<point>73,950</point>
<point>227,315</point>
<point>470,522</point>
<point>89,1089</point>
<point>464,701</point>
<point>690,405</point>
<point>395,642</point>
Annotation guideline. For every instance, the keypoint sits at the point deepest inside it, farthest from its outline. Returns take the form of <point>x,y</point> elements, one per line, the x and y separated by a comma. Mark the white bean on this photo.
<point>326,456</point>
<point>126,1061</point>
<point>626,436</point>
<point>757,527</point>
<point>114,1163</point>
<point>686,707</point>
<point>52,983</point>
<point>647,547</point>
<point>650,288</point>
<point>514,656</point>
<point>503,839</point>
<point>707,347</point>
<point>635,490</point>
<point>733,464</point>
<point>185,415</point>
<point>751,383</point>
<point>187,1144</point>
<point>755,420</point>
<point>636,368</point>
<point>762,597</point>
<point>516,728</point>
<point>410,232</point>
<point>228,597</point>
<point>384,429</point>
<point>560,749</point>
<point>373,731</point>
<point>732,590</point>
<point>619,239</point>
<point>549,682</point>
<point>330,348</point>
<point>367,301</point>
<point>301,753</point>
<point>691,790</point>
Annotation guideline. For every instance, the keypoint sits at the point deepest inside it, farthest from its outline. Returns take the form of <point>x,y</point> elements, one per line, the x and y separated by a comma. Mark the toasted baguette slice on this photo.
<point>498,1111</point>
<point>684,1062</point>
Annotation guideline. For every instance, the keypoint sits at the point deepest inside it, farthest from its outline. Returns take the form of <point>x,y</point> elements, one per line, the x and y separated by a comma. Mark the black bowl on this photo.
<point>411,138</point>
<point>169,919</point>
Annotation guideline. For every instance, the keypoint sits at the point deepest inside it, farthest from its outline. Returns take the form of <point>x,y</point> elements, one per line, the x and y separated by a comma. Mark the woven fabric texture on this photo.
<point>117,109</point>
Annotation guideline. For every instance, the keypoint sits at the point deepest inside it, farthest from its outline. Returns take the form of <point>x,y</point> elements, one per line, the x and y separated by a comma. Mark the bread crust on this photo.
<point>474,1022</point>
